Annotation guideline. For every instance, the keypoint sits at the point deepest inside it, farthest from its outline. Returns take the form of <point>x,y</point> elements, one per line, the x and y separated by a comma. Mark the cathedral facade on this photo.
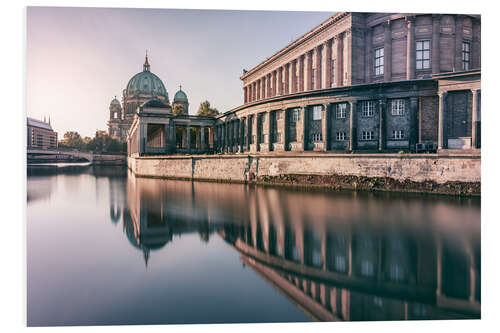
<point>141,88</point>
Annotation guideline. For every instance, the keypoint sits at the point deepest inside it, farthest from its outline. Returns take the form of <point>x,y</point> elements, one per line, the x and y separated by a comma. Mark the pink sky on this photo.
<point>78,59</point>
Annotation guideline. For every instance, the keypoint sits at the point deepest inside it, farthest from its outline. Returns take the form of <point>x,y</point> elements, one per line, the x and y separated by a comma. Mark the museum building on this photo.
<point>364,81</point>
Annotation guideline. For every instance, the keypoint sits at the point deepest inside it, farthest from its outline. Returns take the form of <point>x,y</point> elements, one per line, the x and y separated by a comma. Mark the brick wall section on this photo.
<point>418,168</point>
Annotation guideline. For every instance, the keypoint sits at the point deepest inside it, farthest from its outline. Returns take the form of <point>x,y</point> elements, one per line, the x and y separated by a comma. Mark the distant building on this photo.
<point>40,134</point>
<point>141,88</point>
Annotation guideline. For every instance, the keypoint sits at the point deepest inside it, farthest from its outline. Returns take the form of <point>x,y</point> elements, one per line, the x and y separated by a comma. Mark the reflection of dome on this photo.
<point>146,82</point>
<point>180,96</point>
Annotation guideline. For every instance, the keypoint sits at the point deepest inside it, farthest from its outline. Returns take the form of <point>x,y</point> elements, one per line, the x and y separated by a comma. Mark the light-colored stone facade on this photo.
<point>364,81</point>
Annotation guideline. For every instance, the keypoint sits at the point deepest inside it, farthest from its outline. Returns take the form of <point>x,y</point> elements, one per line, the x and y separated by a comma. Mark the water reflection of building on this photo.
<point>359,271</point>
<point>154,213</point>
<point>341,256</point>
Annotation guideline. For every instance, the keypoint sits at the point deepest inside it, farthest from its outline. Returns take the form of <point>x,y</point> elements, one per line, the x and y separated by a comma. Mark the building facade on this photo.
<point>40,134</point>
<point>364,81</point>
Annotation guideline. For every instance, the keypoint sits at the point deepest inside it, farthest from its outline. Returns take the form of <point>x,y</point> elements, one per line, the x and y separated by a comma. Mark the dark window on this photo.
<point>465,56</point>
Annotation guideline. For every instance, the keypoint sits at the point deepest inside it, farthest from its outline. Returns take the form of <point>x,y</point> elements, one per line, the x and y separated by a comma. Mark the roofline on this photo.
<point>329,21</point>
<point>456,74</point>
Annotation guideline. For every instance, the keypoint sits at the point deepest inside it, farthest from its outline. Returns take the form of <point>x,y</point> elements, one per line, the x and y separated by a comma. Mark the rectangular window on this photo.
<point>398,107</point>
<point>423,54</point>
<point>465,56</point>
<point>334,70</point>
<point>340,136</point>
<point>317,110</point>
<point>367,109</point>
<point>341,110</point>
<point>296,115</point>
<point>379,61</point>
<point>398,135</point>
<point>367,135</point>
<point>316,137</point>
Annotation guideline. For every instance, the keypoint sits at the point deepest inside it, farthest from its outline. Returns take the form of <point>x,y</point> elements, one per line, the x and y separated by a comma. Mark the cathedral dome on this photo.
<point>180,96</point>
<point>146,82</point>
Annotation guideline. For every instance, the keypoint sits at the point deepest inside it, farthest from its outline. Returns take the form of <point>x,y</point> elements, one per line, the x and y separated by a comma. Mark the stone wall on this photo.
<point>249,168</point>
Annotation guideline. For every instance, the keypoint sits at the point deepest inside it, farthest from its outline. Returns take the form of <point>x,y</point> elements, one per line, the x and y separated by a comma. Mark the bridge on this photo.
<point>46,153</point>
<point>41,155</point>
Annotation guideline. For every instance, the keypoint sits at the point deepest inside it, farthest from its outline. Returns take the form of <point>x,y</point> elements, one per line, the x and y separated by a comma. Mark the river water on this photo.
<point>107,248</point>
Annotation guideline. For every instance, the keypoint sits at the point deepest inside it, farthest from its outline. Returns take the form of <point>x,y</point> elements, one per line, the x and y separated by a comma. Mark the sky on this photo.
<point>78,59</point>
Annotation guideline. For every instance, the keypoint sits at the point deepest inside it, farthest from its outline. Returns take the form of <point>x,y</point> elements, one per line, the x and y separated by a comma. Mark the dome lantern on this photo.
<point>146,63</point>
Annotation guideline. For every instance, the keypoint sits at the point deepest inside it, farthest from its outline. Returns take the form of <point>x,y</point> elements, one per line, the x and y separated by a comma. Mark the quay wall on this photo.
<point>318,169</point>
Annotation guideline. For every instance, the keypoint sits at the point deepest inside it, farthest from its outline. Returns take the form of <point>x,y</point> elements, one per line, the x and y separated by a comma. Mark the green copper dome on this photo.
<point>146,82</point>
<point>180,96</point>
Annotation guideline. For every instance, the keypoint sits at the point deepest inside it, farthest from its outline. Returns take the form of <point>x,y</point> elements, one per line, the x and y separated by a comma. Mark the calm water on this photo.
<point>105,247</point>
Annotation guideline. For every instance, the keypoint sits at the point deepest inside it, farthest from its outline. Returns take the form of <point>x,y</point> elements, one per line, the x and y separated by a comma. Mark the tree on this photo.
<point>178,109</point>
<point>72,139</point>
<point>206,110</point>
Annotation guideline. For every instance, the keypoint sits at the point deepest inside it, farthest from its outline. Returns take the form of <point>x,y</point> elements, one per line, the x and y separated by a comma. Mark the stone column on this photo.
<point>382,104</point>
<point>388,52</point>
<point>188,138</point>
<point>284,135</point>
<point>475,54</point>
<point>142,138</point>
<point>348,58</point>
<point>410,48</point>
<point>294,76</point>
<point>268,92</point>
<point>303,132</point>
<point>318,67</point>
<point>274,90</point>
<point>414,125</point>
<point>280,81</point>
<point>301,73</point>
<point>255,132</point>
<point>270,133</point>
<point>435,52</point>
<point>203,146</point>
<point>328,64</point>
<point>287,79</point>
<point>249,130</point>
<point>353,135</point>
<point>254,91</point>
<point>263,85</point>
<point>257,84</point>
<point>198,137</point>
<point>340,59</point>
<point>441,121</point>
<point>309,69</point>
<point>324,127</point>
<point>369,69</point>
<point>475,117</point>
<point>459,33</point>
<point>166,133</point>
<point>211,137</point>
